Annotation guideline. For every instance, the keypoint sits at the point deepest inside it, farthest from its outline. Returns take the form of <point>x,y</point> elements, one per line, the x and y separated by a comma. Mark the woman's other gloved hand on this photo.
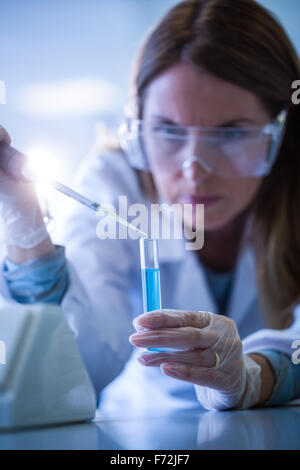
<point>20,212</point>
<point>209,355</point>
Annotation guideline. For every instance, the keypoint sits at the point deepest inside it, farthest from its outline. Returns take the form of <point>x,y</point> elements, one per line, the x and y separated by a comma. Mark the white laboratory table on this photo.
<point>259,429</point>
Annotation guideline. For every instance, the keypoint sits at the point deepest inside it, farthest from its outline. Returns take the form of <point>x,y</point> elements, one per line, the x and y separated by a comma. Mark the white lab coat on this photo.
<point>105,295</point>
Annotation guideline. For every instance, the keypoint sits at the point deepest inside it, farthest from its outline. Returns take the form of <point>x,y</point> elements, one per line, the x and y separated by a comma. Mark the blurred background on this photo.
<point>66,66</point>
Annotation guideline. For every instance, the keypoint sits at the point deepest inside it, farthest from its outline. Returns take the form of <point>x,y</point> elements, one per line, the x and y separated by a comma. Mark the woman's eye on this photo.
<point>168,131</point>
<point>236,134</point>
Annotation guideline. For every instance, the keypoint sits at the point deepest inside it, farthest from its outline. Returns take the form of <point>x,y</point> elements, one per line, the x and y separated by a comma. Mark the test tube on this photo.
<point>151,279</point>
<point>150,274</point>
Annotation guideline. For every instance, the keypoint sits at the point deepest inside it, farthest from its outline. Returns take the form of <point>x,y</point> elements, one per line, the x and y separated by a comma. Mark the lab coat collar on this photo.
<point>171,250</point>
<point>244,290</point>
<point>193,292</point>
<point>192,283</point>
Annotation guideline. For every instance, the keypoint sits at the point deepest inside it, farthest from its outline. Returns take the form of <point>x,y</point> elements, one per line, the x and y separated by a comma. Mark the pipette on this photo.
<point>95,206</point>
<point>15,165</point>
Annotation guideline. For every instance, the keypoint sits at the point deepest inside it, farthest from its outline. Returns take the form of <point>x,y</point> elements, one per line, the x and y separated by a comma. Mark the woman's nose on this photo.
<point>196,169</point>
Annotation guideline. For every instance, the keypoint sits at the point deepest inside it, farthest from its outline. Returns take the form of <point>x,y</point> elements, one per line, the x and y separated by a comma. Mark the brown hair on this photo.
<point>241,42</point>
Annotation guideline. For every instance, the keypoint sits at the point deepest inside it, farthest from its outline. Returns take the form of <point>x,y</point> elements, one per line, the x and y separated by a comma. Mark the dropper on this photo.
<point>95,206</point>
<point>15,164</point>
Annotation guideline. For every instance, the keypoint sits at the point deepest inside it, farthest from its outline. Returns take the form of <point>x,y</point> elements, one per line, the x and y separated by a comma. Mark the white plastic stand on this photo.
<point>42,377</point>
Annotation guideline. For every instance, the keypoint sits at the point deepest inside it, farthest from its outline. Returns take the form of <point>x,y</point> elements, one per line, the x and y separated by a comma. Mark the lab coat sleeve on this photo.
<point>43,279</point>
<point>100,331</point>
<point>100,302</point>
<point>100,328</point>
<point>278,340</point>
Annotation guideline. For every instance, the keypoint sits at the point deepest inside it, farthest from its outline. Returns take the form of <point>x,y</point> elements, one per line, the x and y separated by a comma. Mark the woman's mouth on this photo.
<point>206,200</point>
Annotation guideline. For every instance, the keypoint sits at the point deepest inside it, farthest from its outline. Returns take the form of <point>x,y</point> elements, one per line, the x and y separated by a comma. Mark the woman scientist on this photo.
<point>215,124</point>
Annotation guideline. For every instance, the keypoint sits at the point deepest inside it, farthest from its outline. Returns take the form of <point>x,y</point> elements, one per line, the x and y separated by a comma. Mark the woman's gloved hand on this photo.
<point>20,213</point>
<point>209,355</point>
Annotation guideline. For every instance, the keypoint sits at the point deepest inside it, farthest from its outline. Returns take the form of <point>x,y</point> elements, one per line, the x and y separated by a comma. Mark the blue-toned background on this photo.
<point>66,64</point>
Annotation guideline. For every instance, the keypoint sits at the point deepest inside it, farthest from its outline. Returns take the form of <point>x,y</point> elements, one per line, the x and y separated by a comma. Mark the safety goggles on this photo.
<point>228,152</point>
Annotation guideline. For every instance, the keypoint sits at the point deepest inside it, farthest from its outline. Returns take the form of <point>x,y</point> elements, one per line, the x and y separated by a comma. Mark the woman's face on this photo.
<point>186,96</point>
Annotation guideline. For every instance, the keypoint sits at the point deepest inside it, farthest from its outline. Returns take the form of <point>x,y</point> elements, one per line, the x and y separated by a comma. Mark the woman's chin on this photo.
<point>207,225</point>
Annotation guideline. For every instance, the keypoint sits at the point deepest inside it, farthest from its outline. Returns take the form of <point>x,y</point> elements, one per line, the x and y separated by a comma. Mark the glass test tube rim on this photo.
<point>145,264</point>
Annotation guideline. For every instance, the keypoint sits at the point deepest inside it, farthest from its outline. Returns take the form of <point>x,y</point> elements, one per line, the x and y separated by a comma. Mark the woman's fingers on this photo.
<point>172,319</point>
<point>4,136</point>
<point>185,338</point>
<point>205,376</point>
<point>198,357</point>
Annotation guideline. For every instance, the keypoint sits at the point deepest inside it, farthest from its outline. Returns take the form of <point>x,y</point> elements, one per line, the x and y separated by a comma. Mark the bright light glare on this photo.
<point>43,162</point>
<point>44,167</point>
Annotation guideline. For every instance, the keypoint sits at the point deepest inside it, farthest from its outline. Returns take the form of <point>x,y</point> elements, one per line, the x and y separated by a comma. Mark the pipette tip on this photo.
<point>120,220</point>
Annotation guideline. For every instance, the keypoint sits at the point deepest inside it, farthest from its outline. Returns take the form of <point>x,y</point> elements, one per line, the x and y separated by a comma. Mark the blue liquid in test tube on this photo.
<point>151,289</point>
<point>151,278</point>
